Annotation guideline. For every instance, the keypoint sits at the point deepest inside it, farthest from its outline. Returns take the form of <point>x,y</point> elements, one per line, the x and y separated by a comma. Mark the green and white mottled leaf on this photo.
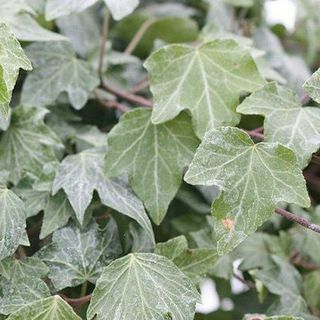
<point>79,175</point>
<point>148,286</point>
<point>28,144</point>
<point>312,86</point>
<point>206,80</point>
<point>12,58</point>
<point>195,263</point>
<point>12,222</point>
<point>121,8</point>
<point>286,121</point>
<point>16,295</point>
<point>253,179</point>
<point>57,70</point>
<point>153,155</point>
<point>76,256</point>
<point>52,308</point>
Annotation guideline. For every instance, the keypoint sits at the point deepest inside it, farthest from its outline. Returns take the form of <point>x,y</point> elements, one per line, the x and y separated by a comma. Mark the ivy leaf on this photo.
<point>240,3</point>
<point>92,249</point>
<point>311,286</point>
<point>79,175</point>
<point>12,222</point>
<point>153,156</point>
<point>312,86</point>
<point>263,317</point>
<point>121,8</point>
<point>253,179</point>
<point>28,144</point>
<point>12,58</point>
<point>195,263</point>
<point>52,308</point>
<point>57,70</point>
<point>149,287</point>
<point>206,80</point>
<point>280,106</point>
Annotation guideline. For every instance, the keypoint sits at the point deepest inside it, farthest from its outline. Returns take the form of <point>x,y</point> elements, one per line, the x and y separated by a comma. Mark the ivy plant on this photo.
<point>149,148</point>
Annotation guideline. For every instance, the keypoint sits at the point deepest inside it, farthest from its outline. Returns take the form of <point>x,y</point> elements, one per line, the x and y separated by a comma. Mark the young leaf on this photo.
<point>79,175</point>
<point>153,155</point>
<point>286,121</point>
<point>312,86</point>
<point>28,144</point>
<point>12,222</point>
<point>206,80</point>
<point>253,179</point>
<point>92,249</point>
<point>12,58</point>
<point>57,70</point>
<point>52,308</point>
<point>148,287</point>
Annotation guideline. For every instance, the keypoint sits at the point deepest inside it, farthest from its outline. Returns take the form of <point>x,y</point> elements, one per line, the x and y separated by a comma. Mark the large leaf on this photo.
<point>28,144</point>
<point>12,58</point>
<point>253,179</point>
<point>206,80</point>
<point>79,175</point>
<point>312,86</point>
<point>57,70</point>
<point>12,222</point>
<point>92,250</point>
<point>148,287</point>
<point>52,308</point>
<point>153,155</point>
<point>286,121</point>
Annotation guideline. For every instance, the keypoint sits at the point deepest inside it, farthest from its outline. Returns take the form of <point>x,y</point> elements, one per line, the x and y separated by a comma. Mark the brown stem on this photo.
<point>104,36</point>
<point>127,95</point>
<point>76,301</point>
<point>21,252</point>
<point>111,104</point>
<point>303,222</point>
<point>140,86</point>
<point>305,99</point>
<point>138,36</point>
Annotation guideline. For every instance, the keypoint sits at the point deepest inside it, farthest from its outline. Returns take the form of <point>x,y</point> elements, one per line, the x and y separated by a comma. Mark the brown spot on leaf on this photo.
<point>228,223</point>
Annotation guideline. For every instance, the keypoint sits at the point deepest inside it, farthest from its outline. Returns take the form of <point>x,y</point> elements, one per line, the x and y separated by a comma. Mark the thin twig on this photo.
<point>302,221</point>
<point>111,104</point>
<point>21,252</point>
<point>76,301</point>
<point>140,85</point>
<point>305,99</point>
<point>249,284</point>
<point>138,36</point>
<point>133,98</point>
<point>297,260</point>
<point>104,36</point>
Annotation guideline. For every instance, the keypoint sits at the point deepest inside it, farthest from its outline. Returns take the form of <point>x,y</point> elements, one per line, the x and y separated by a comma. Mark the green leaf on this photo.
<point>148,287</point>
<point>253,179</point>
<point>206,80</point>
<point>153,156</point>
<point>241,3</point>
<point>12,222</point>
<point>16,295</point>
<point>122,8</point>
<point>28,144</point>
<point>52,308</point>
<point>311,287</point>
<point>12,58</point>
<point>312,86</point>
<point>286,121</point>
<point>92,249</point>
<point>195,263</point>
<point>263,317</point>
<point>57,70</point>
<point>79,175</point>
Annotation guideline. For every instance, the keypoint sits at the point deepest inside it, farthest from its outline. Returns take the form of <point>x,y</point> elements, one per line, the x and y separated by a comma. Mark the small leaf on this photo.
<point>286,121</point>
<point>12,222</point>
<point>76,256</point>
<point>153,156</point>
<point>52,308</point>
<point>148,287</point>
<point>121,8</point>
<point>57,70</point>
<point>312,86</point>
<point>253,179</point>
<point>206,80</point>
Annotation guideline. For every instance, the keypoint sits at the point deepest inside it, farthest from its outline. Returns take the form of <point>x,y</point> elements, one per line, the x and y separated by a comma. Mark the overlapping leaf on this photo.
<point>12,58</point>
<point>28,144</point>
<point>286,121</point>
<point>206,80</point>
<point>79,175</point>
<point>92,250</point>
<point>312,86</point>
<point>153,156</point>
<point>57,70</point>
<point>148,286</point>
<point>252,178</point>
